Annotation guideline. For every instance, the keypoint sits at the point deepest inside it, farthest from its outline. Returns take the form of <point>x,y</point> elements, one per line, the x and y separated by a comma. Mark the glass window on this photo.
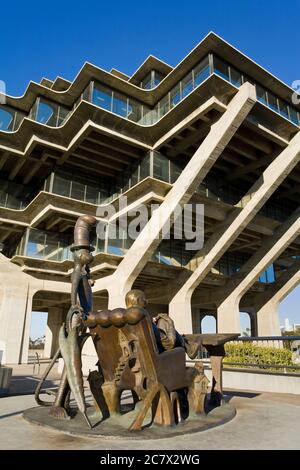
<point>175,172</point>
<point>268,276</point>
<point>147,82</point>
<point>61,186</point>
<point>6,120</point>
<point>62,116</point>
<point>3,194</point>
<point>52,250</point>
<point>145,167</point>
<point>135,176</point>
<point>201,72</point>
<point>164,106</point>
<point>235,77</point>
<point>115,243</point>
<point>272,100</point>
<point>294,116</point>
<point>283,109</point>
<point>36,244</point>
<point>175,96</point>
<point>119,104</point>
<point>187,85</point>
<point>13,202</point>
<point>221,68</point>
<point>18,119</point>
<point>134,111</point>
<point>160,167</point>
<point>78,191</point>
<point>261,95</point>
<point>149,115</point>
<point>46,113</point>
<point>102,97</point>
<point>92,195</point>
<point>157,78</point>
<point>86,92</point>
<point>163,254</point>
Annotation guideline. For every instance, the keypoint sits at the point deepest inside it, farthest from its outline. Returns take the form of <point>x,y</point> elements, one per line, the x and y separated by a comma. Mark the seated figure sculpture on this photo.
<point>163,326</point>
<point>133,353</point>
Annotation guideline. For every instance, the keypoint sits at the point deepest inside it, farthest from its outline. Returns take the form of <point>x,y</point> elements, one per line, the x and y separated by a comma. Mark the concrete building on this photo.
<point>217,129</point>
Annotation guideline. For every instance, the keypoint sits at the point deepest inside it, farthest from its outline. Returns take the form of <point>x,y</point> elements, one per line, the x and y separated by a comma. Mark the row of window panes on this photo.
<point>44,245</point>
<point>52,247</point>
<point>152,79</point>
<point>232,75</point>
<point>49,113</point>
<point>10,119</point>
<point>154,164</point>
<point>230,264</point>
<point>132,110</point>
<point>14,195</point>
<point>64,186</point>
<point>54,115</point>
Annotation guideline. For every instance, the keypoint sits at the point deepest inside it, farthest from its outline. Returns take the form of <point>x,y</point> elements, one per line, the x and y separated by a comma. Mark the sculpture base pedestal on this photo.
<point>116,427</point>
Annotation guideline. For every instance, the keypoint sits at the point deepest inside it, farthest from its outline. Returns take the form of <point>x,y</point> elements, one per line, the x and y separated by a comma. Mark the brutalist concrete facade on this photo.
<point>217,130</point>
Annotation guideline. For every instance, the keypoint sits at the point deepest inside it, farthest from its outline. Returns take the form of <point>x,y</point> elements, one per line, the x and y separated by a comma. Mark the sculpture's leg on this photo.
<point>217,354</point>
<point>58,409</point>
<point>163,413</point>
<point>175,403</point>
<point>95,380</point>
<point>111,395</point>
<point>42,380</point>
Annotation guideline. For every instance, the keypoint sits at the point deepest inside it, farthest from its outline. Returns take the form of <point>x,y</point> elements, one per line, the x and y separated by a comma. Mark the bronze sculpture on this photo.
<point>128,355</point>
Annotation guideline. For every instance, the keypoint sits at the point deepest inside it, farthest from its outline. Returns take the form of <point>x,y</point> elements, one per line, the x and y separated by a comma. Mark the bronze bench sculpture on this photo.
<point>128,356</point>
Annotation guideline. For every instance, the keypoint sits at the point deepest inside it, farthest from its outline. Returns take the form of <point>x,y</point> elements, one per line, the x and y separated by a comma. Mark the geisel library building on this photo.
<point>217,130</point>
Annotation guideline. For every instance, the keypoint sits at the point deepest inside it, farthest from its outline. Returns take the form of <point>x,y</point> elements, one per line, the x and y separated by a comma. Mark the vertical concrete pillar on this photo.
<point>266,304</point>
<point>228,316</point>
<point>26,329</point>
<point>268,320</point>
<point>16,295</point>
<point>54,322</point>
<point>253,323</point>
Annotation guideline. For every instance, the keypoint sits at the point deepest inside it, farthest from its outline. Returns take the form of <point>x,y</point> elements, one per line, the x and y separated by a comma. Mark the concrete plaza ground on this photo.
<point>263,421</point>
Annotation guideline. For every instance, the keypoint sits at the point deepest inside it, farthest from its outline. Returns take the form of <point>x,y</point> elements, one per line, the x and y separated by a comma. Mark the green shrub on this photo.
<point>244,353</point>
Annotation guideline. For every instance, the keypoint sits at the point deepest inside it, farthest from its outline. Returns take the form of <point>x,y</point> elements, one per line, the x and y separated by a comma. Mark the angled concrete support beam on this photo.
<point>267,303</point>
<point>195,171</point>
<point>271,248</point>
<point>216,246</point>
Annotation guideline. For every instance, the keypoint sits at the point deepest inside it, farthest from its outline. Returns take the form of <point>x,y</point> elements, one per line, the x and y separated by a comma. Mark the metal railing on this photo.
<point>268,354</point>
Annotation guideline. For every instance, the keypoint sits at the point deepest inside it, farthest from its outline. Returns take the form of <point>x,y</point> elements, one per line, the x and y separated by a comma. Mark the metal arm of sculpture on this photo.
<point>73,333</point>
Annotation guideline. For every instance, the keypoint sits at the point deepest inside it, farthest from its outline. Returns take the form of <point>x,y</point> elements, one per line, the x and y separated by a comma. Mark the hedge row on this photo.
<point>244,353</point>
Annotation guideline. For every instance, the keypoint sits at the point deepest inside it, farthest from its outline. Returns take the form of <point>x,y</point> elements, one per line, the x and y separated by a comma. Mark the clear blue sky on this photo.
<point>55,38</point>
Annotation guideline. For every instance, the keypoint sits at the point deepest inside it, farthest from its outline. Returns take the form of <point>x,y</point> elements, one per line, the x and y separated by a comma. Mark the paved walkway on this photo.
<point>263,421</point>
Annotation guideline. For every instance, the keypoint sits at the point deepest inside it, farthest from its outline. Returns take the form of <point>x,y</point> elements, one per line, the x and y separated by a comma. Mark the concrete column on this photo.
<point>195,171</point>
<point>16,294</point>
<point>267,303</point>
<point>27,323</point>
<point>227,232</point>
<point>228,315</point>
<point>54,322</point>
<point>268,320</point>
<point>253,324</point>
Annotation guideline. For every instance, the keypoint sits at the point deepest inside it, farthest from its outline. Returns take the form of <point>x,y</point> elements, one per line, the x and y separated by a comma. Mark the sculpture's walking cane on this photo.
<point>73,334</point>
